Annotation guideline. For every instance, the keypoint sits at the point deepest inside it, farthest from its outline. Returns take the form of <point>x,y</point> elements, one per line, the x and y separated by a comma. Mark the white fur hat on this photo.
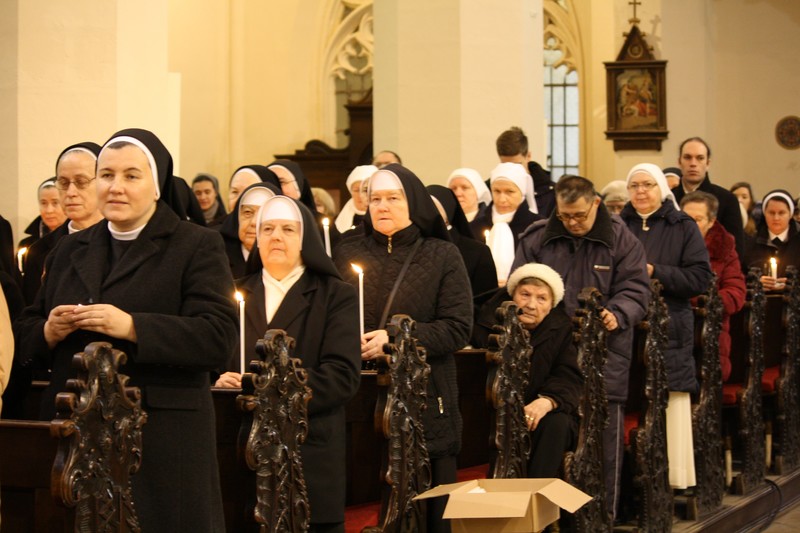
<point>539,271</point>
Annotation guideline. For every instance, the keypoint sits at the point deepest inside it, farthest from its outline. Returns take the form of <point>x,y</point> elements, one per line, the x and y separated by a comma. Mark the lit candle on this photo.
<point>20,255</point>
<point>326,229</point>
<point>773,267</point>
<point>360,296</point>
<point>486,236</point>
<point>240,299</point>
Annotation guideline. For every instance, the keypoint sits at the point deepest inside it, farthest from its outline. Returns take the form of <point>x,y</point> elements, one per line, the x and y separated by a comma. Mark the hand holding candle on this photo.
<point>326,229</point>
<point>240,299</point>
<point>773,267</point>
<point>360,273</point>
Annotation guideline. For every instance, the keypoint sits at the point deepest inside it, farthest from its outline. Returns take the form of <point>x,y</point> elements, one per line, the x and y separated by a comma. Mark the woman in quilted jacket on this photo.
<point>403,232</point>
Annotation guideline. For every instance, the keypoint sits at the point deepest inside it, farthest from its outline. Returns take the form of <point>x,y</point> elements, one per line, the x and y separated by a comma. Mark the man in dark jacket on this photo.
<point>694,160</point>
<point>590,248</point>
<point>512,147</point>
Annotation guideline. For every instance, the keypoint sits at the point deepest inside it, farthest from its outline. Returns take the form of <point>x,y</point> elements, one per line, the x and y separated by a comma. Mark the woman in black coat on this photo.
<point>157,288</point>
<point>238,227</point>
<point>512,210</point>
<point>677,256</point>
<point>476,255</point>
<point>306,297</point>
<point>554,389</point>
<point>403,226</point>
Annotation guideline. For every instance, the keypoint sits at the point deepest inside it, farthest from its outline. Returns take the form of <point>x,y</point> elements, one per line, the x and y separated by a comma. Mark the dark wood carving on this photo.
<point>275,397</point>
<point>583,468</point>
<point>403,377</point>
<point>510,353</point>
<point>650,444</point>
<point>709,456</point>
<point>99,424</point>
<point>787,456</point>
<point>751,421</point>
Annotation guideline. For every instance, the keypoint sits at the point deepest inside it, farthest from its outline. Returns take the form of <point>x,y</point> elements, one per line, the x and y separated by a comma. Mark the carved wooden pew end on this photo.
<point>99,424</point>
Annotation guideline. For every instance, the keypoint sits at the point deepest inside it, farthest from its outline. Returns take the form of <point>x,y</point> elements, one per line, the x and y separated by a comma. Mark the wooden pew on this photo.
<point>584,467</point>
<point>709,459</point>
<point>510,358</point>
<point>787,454</point>
<point>73,473</point>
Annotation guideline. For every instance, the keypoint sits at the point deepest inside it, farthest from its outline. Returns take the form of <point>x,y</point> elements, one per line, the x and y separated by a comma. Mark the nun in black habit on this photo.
<point>476,255</point>
<point>294,286</point>
<point>239,238</point>
<point>157,288</point>
<point>403,227</point>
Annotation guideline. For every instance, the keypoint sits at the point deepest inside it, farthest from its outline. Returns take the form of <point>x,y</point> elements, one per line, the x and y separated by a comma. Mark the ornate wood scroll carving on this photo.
<point>507,382</point>
<point>584,467</point>
<point>398,415</point>
<point>787,457</point>
<point>99,421</point>
<point>275,397</point>
<point>709,457</point>
<point>751,421</point>
<point>652,467</point>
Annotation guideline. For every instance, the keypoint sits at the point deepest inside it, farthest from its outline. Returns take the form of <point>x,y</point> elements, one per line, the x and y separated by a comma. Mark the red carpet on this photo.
<point>358,517</point>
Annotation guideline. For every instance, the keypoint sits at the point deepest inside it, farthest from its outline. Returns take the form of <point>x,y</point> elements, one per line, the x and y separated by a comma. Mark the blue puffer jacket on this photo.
<point>677,251</point>
<point>608,258</point>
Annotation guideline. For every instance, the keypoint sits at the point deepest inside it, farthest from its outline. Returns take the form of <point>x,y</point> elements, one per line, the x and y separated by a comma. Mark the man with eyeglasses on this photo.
<point>75,181</point>
<point>590,248</point>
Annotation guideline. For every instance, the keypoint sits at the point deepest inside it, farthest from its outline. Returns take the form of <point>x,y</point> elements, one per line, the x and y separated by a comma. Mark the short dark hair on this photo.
<point>695,139</point>
<point>571,188</point>
<point>702,197</point>
<point>203,177</point>
<point>512,142</point>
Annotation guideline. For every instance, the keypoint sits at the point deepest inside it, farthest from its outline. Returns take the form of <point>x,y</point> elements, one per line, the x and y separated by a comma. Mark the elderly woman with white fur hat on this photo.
<point>554,390</point>
<point>678,258</point>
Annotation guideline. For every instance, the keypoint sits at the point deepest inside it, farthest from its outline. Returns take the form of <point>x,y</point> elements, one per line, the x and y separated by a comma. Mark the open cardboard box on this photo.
<point>506,505</point>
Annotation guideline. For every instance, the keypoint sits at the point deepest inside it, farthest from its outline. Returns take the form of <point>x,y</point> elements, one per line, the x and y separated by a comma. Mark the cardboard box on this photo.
<point>506,505</point>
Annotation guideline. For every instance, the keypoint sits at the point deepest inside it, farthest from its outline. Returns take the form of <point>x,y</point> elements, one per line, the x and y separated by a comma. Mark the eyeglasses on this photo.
<point>646,186</point>
<point>62,184</point>
<point>578,217</point>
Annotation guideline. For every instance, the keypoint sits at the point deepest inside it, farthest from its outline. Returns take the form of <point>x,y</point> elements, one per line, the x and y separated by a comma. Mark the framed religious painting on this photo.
<point>636,94</point>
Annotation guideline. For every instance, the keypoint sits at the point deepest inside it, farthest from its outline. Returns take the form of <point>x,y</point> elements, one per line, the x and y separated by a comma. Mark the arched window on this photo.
<point>562,101</point>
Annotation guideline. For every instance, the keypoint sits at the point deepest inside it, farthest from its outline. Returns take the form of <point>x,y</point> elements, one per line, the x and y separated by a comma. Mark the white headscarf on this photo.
<point>345,219</point>
<point>654,172</point>
<point>516,174</point>
<point>472,175</point>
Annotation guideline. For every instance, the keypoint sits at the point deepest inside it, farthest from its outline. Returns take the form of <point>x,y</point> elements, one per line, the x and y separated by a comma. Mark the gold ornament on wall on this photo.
<point>787,132</point>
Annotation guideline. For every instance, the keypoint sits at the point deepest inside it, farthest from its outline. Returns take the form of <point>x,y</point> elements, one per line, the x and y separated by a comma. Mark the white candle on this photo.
<point>773,267</point>
<point>360,296</point>
<point>20,255</point>
<point>486,236</point>
<point>240,299</point>
<point>326,229</point>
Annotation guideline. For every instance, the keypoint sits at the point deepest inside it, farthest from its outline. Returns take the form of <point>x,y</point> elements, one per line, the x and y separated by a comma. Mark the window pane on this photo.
<point>572,105</point>
<point>572,78</point>
<point>558,106</point>
<point>557,135</point>
<point>572,146</point>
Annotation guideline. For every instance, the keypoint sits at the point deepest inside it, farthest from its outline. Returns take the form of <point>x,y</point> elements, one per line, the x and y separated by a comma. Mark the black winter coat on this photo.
<point>321,314</point>
<point>608,258</point>
<point>435,292</point>
<point>729,213</point>
<point>35,259</point>
<point>478,262</point>
<point>174,282</point>
<point>676,249</point>
<point>554,362</point>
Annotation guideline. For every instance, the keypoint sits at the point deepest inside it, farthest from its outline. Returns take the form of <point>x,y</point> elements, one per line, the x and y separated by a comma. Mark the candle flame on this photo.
<point>773,261</point>
<point>326,222</point>
<point>22,251</point>
<point>486,235</point>
<point>357,268</point>
<point>238,296</point>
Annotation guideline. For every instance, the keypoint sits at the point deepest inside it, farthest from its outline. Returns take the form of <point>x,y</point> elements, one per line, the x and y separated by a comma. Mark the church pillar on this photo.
<point>451,75</point>
<point>77,71</point>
